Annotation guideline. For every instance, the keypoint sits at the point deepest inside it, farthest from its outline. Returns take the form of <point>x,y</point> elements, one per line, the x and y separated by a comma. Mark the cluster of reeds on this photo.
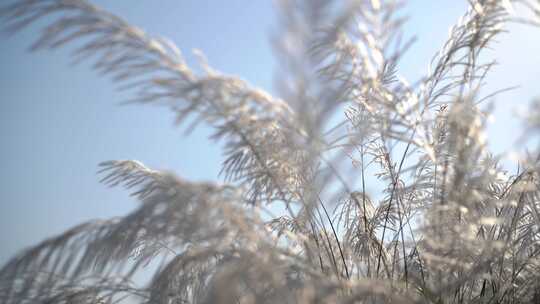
<point>292,221</point>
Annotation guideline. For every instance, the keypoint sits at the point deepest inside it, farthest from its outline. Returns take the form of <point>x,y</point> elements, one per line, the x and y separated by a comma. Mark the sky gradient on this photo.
<point>58,121</point>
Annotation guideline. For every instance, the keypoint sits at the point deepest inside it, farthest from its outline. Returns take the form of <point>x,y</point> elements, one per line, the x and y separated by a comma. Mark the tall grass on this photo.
<point>293,221</point>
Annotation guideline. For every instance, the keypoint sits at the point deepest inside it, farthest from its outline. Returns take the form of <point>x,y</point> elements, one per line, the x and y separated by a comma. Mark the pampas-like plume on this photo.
<point>449,226</point>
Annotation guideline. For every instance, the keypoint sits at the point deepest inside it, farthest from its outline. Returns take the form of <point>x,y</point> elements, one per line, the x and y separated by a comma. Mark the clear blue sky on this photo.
<point>59,121</point>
